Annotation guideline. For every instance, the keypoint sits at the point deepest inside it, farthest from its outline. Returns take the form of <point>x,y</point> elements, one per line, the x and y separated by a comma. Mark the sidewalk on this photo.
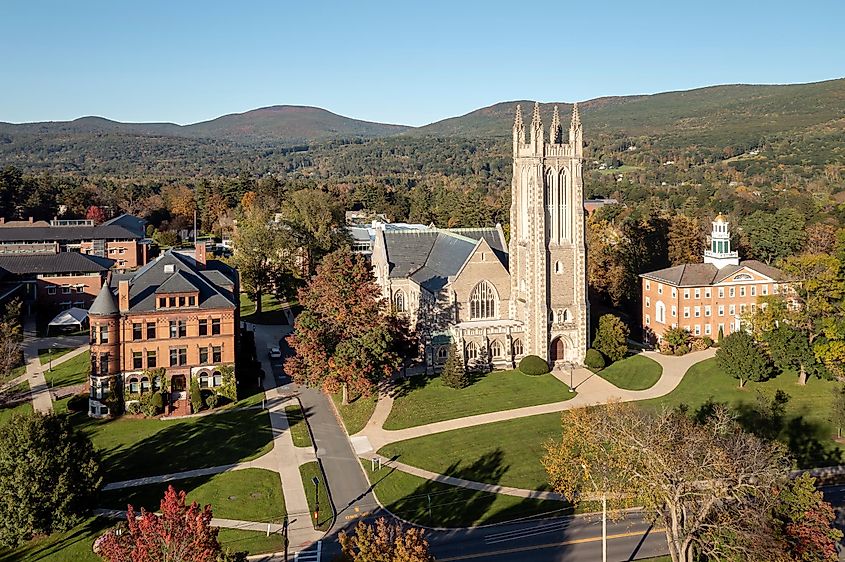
<point>42,401</point>
<point>592,390</point>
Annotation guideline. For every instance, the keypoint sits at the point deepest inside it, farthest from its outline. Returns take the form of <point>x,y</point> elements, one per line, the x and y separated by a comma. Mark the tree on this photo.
<point>821,238</point>
<point>705,483</point>
<point>181,533</point>
<point>741,357</point>
<point>837,409</point>
<point>806,521</point>
<point>11,336</point>
<point>611,338</point>
<point>345,336</point>
<point>263,255</point>
<point>49,477</point>
<point>95,214</point>
<point>790,349</point>
<point>315,220</point>
<point>454,374</point>
<point>677,340</point>
<point>383,542</point>
<point>774,236</point>
<point>180,201</point>
<point>686,240</point>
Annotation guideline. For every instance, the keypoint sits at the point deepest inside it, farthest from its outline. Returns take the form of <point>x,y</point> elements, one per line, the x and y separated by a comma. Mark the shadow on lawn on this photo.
<point>212,440</point>
<point>441,505</point>
<point>404,387</point>
<point>35,551</point>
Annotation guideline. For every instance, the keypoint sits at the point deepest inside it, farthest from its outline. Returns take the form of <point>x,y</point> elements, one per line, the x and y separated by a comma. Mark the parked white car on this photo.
<point>275,353</point>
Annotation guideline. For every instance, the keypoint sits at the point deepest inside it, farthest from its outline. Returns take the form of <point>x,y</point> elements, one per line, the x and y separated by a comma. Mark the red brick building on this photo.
<point>178,313</point>
<point>705,298</point>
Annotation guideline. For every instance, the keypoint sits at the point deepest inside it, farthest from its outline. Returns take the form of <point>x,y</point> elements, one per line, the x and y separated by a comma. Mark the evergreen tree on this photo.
<point>611,338</point>
<point>454,373</point>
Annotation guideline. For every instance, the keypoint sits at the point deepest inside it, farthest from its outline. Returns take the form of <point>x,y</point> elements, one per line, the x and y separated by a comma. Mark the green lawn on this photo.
<point>425,502</point>
<point>252,494</point>
<point>518,443</point>
<point>423,400</point>
<point>13,374</point>
<point>44,354</point>
<point>298,426</point>
<point>146,447</point>
<point>71,372</point>
<point>633,373</point>
<point>357,413</point>
<point>308,471</point>
<point>272,311</point>
<point>76,544</point>
<point>6,413</point>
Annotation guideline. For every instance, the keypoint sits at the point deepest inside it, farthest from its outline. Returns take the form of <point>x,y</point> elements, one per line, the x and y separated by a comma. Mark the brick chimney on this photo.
<point>199,254</point>
<point>123,295</point>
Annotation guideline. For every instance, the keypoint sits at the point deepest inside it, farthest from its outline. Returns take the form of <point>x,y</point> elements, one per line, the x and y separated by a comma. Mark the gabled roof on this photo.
<point>131,223</point>
<point>104,304</point>
<point>63,262</point>
<point>171,271</point>
<point>701,274</point>
<point>431,256</point>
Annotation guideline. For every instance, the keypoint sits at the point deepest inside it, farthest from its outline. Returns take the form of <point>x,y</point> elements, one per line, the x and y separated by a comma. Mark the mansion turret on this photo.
<point>500,300</point>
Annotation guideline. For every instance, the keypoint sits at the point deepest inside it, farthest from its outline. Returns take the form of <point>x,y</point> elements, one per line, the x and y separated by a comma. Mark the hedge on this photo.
<point>533,365</point>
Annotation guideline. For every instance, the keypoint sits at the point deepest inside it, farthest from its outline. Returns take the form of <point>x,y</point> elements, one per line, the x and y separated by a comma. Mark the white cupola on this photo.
<point>719,253</point>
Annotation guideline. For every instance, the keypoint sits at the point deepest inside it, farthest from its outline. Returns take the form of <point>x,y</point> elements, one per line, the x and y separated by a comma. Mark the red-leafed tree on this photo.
<point>96,214</point>
<point>181,533</point>
<point>345,336</point>
<point>806,522</point>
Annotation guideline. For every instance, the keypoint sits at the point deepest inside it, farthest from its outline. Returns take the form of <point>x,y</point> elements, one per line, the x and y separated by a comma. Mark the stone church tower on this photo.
<point>547,239</point>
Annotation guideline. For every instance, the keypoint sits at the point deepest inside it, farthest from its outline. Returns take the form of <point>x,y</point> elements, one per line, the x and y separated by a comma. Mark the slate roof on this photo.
<point>152,278</point>
<point>63,262</point>
<point>701,274</point>
<point>59,233</point>
<point>131,223</point>
<point>430,257</point>
<point>104,304</point>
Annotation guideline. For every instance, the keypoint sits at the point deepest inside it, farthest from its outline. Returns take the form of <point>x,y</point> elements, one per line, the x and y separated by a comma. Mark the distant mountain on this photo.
<point>707,116</point>
<point>276,124</point>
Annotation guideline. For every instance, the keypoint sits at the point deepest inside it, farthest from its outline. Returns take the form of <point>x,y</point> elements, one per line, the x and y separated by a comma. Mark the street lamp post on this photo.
<point>316,482</point>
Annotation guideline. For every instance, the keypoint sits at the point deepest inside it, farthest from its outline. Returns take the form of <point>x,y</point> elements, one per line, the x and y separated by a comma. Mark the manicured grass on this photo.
<point>76,544</point>
<point>252,494</point>
<point>13,374</point>
<point>423,400</point>
<point>272,311</point>
<point>425,502</point>
<point>298,426</point>
<point>146,447</point>
<point>308,471</point>
<point>44,354</point>
<point>71,372</point>
<point>357,413</point>
<point>633,373</point>
<point>250,396</point>
<point>518,443</point>
<point>6,413</point>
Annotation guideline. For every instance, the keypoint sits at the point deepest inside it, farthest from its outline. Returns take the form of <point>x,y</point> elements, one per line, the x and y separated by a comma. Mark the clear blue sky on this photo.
<point>409,62</point>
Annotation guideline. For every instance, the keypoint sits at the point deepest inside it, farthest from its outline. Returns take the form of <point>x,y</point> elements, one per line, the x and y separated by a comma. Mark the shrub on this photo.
<point>708,341</point>
<point>675,340</point>
<point>593,359</point>
<point>454,374</point>
<point>682,349</point>
<point>699,344</point>
<point>196,397</point>
<point>158,402</point>
<point>211,400</point>
<point>133,408</point>
<point>78,403</point>
<point>533,365</point>
<point>611,338</point>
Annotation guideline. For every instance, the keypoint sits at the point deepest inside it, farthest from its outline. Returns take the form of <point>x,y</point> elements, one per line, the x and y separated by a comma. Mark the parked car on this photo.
<point>275,353</point>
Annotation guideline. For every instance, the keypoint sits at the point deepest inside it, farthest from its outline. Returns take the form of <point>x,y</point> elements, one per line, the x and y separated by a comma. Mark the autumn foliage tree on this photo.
<point>95,214</point>
<point>806,521</point>
<point>345,336</point>
<point>383,542</point>
<point>181,533</point>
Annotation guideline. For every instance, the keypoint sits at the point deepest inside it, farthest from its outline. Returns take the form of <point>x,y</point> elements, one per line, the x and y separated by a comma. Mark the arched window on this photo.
<point>204,379</point>
<point>482,301</point>
<point>145,384</point>
<point>567,316</point>
<point>442,353</point>
<point>134,387</point>
<point>558,267</point>
<point>660,312</point>
<point>472,351</point>
<point>495,349</point>
<point>517,346</point>
<point>399,300</point>
<point>217,378</point>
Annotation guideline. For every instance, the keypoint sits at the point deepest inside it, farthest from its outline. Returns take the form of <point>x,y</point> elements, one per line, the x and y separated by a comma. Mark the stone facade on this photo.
<point>500,301</point>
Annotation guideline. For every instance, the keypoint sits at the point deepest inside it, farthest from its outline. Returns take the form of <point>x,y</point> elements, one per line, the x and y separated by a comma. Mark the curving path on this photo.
<point>592,390</point>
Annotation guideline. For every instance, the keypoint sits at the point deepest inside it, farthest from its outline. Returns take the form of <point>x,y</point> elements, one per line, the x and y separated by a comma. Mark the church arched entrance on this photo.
<point>557,351</point>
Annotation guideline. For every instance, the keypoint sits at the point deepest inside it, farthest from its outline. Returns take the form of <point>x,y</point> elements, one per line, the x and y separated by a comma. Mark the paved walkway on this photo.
<point>592,390</point>
<point>42,401</point>
<point>215,522</point>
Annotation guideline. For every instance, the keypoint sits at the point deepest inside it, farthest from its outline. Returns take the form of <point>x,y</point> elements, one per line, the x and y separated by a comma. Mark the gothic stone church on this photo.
<point>499,301</point>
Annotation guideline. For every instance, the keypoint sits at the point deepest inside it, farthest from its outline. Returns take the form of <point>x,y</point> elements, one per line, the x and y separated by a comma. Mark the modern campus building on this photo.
<point>708,297</point>
<point>500,301</point>
<point>178,313</point>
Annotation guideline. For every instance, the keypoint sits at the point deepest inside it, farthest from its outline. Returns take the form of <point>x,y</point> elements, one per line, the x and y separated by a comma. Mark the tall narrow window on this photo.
<point>472,351</point>
<point>496,349</point>
<point>203,326</point>
<point>215,326</point>
<point>399,301</point>
<point>517,347</point>
<point>151,330</point>
<point>482,301</point>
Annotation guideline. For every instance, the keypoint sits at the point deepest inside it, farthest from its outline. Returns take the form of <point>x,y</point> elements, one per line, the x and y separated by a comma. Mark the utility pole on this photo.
<point>316,482</point>
<point>604,527</point>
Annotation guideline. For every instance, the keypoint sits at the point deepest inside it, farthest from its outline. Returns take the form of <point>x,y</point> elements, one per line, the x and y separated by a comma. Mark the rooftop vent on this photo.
<point>169,268</point>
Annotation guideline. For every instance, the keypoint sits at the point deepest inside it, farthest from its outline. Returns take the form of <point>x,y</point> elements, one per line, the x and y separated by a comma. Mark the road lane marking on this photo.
<point>548,545</point>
